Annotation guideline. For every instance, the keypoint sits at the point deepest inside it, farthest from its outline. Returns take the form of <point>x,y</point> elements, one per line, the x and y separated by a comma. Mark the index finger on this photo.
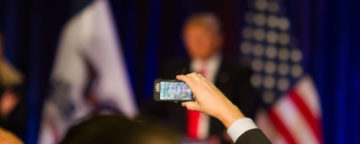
<point>188,80</point>
<point>195,76</point>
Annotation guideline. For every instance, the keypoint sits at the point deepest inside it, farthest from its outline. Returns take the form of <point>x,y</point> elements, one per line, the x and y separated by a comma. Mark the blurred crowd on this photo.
<point>202,36</point>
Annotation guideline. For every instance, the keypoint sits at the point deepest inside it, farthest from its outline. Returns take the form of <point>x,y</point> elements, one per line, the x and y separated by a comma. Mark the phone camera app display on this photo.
<point>174,91</point>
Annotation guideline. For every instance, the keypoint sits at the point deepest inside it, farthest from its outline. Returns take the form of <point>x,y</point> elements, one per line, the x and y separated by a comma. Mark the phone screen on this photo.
<point>175,91</point>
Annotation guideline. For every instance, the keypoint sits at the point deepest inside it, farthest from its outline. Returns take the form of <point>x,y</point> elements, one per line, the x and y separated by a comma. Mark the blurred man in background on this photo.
<point>12,105</point>
<point>203,40</point>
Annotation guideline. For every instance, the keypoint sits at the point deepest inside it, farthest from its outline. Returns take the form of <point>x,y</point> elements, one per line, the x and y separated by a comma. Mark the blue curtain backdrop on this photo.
<point>150,32</point>
<point>328,33</point>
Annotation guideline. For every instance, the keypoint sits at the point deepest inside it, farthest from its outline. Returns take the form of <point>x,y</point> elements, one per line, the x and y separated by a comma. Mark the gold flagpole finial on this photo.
<point>8,74</point>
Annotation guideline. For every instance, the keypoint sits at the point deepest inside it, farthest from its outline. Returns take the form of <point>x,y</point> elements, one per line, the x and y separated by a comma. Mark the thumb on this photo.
<point>191,105</point>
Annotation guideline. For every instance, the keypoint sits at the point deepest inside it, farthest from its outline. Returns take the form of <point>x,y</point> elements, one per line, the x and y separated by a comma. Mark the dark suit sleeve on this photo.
<point>253,136</point>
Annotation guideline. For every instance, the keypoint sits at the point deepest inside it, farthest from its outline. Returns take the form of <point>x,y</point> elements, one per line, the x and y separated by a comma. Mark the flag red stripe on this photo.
<point>305,111</point>
<point>279,125</point>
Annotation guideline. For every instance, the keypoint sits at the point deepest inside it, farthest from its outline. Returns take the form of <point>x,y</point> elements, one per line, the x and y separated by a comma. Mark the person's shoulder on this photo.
<point>176,62</point>
<point>173,67</point>
<point>234,66</point>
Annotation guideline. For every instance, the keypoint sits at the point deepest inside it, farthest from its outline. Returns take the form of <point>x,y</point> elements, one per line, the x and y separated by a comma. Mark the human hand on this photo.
<point>8,102</point>
<point>209,99</point>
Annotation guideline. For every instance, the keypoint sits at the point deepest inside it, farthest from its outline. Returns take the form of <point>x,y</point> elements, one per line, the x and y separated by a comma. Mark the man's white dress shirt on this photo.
<point>211,66</point>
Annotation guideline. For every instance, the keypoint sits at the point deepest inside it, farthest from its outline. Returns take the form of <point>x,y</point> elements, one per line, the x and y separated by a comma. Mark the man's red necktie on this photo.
<point>193,117</point>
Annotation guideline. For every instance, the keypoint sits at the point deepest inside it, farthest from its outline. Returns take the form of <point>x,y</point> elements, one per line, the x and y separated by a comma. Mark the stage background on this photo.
<point>327,32</point>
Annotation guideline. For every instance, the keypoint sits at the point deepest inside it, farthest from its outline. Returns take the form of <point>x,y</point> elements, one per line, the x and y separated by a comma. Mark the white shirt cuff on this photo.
<point>239,127</point>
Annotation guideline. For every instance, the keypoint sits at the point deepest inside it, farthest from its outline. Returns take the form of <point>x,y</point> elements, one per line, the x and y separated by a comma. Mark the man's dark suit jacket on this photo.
<point>231,78</point>
<point>254,136</point>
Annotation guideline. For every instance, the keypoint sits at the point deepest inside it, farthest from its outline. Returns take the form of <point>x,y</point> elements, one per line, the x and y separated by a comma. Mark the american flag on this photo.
<point>291,112</point>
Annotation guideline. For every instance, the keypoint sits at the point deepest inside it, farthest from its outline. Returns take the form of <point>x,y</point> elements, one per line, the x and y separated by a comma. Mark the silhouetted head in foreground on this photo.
<point>113,129</point>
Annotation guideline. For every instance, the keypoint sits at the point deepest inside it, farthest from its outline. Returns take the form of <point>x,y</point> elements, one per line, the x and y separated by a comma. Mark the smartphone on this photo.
<point>171,90</point>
